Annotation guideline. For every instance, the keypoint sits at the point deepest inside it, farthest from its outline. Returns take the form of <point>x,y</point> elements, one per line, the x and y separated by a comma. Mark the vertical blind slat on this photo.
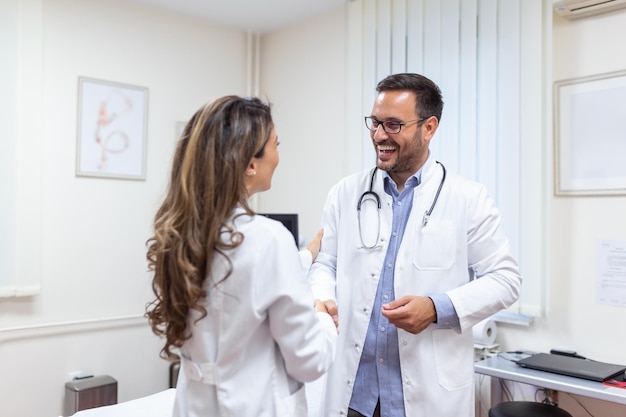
<point>398,36</point>
<point>467,129</point>
<point>487,94</point>
<point>449,82</point>
<point>369,74</point>
<point>532,257</point>
<point>415,36</point>
<point>508,128</point>
<point>383,39</point>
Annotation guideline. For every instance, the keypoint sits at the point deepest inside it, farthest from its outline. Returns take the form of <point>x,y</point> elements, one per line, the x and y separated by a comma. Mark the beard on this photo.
<point>407,159</point>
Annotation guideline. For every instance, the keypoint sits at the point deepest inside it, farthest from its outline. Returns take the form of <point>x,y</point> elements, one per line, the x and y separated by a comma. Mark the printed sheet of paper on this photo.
<point>611,275</point>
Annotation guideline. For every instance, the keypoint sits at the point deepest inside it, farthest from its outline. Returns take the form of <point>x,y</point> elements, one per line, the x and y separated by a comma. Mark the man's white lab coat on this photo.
<point>461,252</point>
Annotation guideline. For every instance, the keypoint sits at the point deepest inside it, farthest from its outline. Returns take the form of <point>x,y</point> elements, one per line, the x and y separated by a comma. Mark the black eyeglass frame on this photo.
<point>374,123</point>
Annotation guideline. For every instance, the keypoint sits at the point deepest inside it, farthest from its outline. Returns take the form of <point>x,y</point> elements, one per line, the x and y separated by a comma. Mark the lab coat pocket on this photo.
<point>294,404</point>
<point>434,246</point>
<point>454,362</point>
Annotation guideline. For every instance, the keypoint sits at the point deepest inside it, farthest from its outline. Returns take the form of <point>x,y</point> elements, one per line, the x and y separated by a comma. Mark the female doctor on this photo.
<point>231,293</point>
<point>412,257</point>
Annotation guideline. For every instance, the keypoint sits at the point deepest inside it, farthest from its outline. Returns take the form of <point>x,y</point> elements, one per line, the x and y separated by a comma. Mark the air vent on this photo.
<point>575,9</point>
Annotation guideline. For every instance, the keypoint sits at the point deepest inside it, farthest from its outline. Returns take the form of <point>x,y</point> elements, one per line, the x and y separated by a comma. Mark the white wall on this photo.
<point>94,280</point>
<point>303,75</point>
<point>589,46</point>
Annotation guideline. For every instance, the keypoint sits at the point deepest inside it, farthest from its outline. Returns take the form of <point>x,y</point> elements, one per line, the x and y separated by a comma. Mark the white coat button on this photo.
<point>407,382</point>
<point>401,268</point>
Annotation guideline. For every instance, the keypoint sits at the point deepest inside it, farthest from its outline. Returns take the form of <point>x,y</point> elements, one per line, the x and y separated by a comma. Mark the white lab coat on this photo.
<point>461,252</point>
<point>261,338</point>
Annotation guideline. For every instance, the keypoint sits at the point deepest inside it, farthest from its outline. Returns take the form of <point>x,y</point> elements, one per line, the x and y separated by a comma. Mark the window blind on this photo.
<point>489,59</point>
<point>20,147</point>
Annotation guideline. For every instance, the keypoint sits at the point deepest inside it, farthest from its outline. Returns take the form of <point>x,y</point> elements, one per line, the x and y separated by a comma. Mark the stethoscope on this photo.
<point>370,194</point>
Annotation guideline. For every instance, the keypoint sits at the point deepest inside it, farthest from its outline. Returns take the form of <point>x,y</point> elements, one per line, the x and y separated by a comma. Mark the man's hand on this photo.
<point>315,244</point>
<point>330,307</point>
<point>411,313</point>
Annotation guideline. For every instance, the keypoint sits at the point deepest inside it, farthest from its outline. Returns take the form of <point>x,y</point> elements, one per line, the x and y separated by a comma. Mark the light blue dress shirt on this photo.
<point>379,375</point>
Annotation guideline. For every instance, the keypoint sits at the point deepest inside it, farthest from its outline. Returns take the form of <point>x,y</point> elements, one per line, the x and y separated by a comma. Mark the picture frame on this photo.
<point>111,129</point>
<point>590,138</point>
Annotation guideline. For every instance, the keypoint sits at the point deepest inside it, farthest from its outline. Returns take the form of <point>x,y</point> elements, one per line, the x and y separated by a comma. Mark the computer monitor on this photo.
<point>289,220</point>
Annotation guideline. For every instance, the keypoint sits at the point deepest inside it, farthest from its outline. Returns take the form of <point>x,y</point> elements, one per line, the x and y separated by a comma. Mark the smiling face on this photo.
<point>401,154</point>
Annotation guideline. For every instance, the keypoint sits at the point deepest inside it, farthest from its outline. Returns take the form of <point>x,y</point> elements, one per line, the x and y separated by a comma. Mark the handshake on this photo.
<point>328,306</point>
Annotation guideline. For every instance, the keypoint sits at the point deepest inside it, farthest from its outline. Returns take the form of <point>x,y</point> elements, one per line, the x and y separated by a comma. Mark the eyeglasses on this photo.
<point>389,126</point>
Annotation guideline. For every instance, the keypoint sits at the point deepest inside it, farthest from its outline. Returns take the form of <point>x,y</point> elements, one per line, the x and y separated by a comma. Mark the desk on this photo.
<point>505,369</point>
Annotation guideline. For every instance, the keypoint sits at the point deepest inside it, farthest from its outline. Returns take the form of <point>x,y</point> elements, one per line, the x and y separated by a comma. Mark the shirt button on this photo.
<point>389,265</point>
<point>382,328</point>
<point>399,203</point>
<point>381,360</point>
<point>395,234</point>
<point>386,297</point>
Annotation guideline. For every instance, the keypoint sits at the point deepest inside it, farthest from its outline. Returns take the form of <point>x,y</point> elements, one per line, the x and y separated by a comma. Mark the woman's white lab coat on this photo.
<point>261,338</point>
<point>461,252</point>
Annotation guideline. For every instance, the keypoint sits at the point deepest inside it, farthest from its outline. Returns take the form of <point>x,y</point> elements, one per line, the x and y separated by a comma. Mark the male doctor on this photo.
<point>411,270</point>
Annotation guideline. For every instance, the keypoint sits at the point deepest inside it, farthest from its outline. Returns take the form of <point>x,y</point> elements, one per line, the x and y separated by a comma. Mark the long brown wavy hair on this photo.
<point>190,227</point>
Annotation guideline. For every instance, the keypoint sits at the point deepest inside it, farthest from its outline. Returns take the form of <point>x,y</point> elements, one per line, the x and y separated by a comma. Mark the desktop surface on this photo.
<point>500,367</point>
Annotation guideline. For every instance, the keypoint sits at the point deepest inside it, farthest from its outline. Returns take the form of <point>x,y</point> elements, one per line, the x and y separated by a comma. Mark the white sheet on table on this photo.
<point>156,405</point>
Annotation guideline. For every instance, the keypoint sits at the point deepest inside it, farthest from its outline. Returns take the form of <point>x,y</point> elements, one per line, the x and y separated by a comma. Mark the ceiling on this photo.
<point>256,16</point>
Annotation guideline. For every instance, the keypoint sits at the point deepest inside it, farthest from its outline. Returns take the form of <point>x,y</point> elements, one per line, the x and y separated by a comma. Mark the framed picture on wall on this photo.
<point>112,129</point>
<point>590,135</point>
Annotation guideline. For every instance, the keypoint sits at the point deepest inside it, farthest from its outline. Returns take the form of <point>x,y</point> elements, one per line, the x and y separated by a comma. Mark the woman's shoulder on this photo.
<point>257,227</point>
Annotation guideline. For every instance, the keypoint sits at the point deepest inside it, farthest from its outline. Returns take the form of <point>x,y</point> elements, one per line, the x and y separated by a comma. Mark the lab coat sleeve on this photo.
<point>497,280</point>
<point>306,259</point>
<point>306,339</point>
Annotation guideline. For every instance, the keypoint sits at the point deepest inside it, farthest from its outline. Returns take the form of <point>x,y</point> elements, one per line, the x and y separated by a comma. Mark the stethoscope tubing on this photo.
<point>376,197</point>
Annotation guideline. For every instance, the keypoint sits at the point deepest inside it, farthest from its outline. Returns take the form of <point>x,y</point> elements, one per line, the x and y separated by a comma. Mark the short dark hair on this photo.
<point>428,99</point>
